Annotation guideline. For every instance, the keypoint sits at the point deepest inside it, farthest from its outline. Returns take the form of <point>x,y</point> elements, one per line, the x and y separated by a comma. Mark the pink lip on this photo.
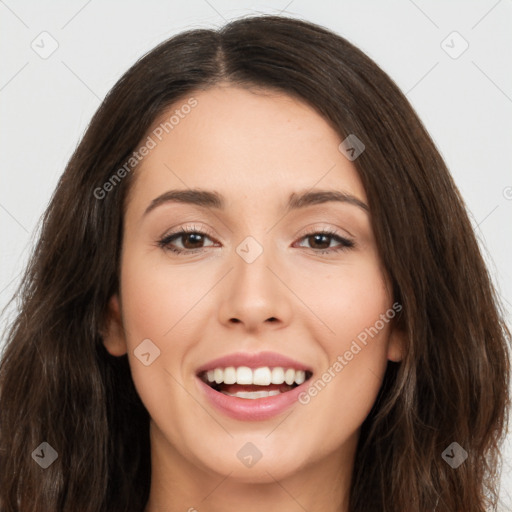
<point>256,360</point>
<point>260,408</point>
<point>245,409</point>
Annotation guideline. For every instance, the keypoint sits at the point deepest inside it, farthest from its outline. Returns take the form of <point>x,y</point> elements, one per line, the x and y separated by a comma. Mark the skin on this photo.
<point>255,148</point>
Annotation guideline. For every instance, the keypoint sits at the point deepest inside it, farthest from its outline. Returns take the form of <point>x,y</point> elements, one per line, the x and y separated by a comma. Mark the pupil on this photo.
<point>316,239</point>
<point>192,236</point>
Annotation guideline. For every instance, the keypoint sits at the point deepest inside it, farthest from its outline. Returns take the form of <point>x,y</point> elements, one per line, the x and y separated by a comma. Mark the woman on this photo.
<point>256,287</point>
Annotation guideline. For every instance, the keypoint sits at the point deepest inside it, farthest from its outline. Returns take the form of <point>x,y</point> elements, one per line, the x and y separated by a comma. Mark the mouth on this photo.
<point>254,383</point>
<point>252,386</point>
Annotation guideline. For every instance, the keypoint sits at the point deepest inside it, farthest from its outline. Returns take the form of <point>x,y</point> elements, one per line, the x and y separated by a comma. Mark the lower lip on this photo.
<point>247,409</point>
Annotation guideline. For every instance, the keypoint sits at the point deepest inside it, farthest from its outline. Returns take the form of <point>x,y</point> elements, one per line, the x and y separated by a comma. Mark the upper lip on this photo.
<point>254,360</point>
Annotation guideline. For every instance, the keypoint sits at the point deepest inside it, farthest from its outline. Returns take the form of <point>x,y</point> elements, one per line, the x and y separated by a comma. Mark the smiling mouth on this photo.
<point>249,383</point>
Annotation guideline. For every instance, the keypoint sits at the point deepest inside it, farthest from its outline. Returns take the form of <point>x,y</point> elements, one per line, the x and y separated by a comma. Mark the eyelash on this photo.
<point>165,242</point>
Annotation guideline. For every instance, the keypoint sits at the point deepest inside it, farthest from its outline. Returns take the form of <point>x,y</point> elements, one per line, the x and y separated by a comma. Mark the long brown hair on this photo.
<point>59,385</point>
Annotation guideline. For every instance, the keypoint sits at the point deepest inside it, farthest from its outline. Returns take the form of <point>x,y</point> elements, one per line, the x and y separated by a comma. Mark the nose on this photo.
<point>255,295</point>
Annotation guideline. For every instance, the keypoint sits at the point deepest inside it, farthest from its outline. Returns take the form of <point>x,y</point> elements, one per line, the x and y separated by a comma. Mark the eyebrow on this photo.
<point>212,199</point>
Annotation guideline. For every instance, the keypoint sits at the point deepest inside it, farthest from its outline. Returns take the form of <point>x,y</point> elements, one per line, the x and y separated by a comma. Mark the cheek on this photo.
<point>158,299</point>
<point>156,306</point>
<point>351,301</point>
<point>347,299</point>
<point>361,333</point>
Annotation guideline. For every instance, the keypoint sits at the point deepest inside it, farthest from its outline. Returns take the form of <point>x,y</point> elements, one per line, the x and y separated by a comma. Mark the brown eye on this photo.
<point>321,242</point>
<point>191,241</point>
<point>194,240</point>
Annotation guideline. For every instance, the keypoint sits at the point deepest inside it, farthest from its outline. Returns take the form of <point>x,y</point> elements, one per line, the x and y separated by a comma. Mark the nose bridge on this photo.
<point>252,275</point>
<point>254,293</point>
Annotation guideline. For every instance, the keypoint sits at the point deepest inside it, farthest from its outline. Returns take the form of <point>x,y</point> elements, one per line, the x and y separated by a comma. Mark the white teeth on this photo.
<point>243,375</point>
<point>289,376</point>
<point>300,376</point>
<point>230,375</point>
<point>263,376</point>
<point>219,375</point>
<point>253,394</point>
<point>277,375</point>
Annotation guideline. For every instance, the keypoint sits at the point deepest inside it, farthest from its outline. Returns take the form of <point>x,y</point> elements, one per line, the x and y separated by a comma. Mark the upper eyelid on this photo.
<point>188,229</point>
<point>308,231</point>
<point>305,231</point>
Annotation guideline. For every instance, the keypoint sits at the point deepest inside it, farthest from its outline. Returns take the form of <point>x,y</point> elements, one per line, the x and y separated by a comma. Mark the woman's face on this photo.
<point>256,294</point>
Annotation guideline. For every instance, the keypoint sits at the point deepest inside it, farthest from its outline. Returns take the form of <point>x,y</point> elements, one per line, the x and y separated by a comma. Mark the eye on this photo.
<point>324,238</point>
<point>191,240</point>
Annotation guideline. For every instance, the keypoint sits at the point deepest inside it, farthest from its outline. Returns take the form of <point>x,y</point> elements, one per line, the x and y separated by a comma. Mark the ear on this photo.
<point>114,337</point>
<point>396,345</point>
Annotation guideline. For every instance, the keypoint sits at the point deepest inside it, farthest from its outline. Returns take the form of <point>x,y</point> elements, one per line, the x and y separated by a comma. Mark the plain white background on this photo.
<point>463,95</point>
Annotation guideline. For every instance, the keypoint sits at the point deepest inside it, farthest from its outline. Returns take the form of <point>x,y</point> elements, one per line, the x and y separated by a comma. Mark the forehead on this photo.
<point>250,143</point>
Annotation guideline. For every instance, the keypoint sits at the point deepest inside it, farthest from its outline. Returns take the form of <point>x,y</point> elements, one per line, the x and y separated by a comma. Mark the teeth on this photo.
<point>289,376</point>
<point>230,375</point>
<point>219,375</point>
<point>300,376</point>
<point>277,375</point>
<point>259,376</point>
<point>253,394</point>
<point>243,375</point>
